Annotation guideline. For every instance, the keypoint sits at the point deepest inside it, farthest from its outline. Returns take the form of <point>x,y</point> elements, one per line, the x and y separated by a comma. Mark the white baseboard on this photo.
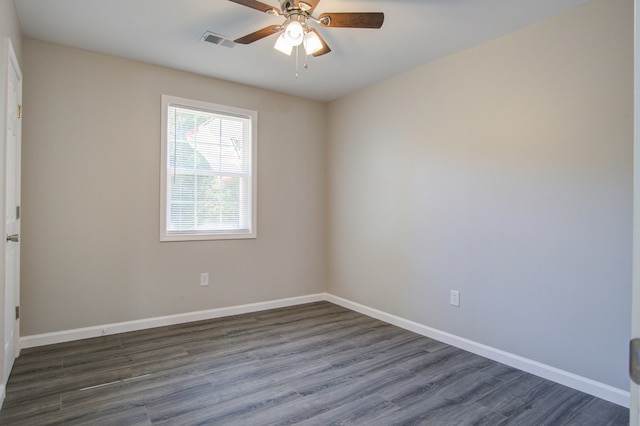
<point>123,327</point>
<point>583,384</point>
<point>2,395</point>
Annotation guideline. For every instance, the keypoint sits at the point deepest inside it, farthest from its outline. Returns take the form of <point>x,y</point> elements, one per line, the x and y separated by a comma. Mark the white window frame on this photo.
<point>165,235</point>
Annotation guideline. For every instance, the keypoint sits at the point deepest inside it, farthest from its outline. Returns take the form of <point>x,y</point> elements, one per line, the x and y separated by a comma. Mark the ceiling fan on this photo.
<point>296,31</point>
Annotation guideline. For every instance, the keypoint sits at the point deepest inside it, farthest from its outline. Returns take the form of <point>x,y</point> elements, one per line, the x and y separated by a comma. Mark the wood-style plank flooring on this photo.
<point>315,364</point>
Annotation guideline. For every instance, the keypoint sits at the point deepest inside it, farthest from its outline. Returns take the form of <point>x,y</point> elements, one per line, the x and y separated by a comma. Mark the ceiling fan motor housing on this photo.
<point>286,5</point>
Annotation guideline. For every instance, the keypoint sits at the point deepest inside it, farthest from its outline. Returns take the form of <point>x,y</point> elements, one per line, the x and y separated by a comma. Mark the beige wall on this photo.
<point>91,150</point>
<point>504,172</point>
<point>10,27</point>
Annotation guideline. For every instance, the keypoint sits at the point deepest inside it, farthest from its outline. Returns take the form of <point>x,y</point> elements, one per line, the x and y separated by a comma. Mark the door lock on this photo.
<point>13,238</point>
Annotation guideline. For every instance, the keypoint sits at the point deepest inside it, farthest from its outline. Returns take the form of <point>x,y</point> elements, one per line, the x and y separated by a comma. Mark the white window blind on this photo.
<point>208,171</point>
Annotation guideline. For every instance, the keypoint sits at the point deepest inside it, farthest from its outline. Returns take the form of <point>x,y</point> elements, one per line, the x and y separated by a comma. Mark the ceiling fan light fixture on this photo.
<point>283,45</point>
<point>312,43</point>
<point>294,33</point>
<point>303,5</point>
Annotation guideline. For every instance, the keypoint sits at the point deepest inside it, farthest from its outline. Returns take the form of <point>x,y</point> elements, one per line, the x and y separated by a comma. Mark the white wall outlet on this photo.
<point>204,278</point>
<point>454,297</point>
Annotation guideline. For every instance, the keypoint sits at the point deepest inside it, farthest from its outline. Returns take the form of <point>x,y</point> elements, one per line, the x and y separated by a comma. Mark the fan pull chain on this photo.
<point>297,61</point>
<point>306,55</point>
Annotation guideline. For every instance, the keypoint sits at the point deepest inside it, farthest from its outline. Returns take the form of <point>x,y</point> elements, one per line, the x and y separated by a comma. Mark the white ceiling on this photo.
<point>168,33</point>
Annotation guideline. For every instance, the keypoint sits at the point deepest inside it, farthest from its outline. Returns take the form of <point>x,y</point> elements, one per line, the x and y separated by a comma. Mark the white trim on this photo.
<point>583,384</point>
<point>2,395</point>
<point>123,327</point>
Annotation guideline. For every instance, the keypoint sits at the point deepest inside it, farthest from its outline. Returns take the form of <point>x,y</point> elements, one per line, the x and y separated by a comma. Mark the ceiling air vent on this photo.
<point>214,38</point>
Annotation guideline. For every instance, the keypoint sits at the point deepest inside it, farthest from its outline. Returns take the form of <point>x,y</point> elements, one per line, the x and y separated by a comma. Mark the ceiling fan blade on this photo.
<point>307,5</point>
<point>325,47</point>
<point>258,35</point>
<point>255,4</point>
<point>352,20</point>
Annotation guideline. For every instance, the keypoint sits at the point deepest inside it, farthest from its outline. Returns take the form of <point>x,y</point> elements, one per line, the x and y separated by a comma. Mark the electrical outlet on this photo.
<point>454,297</point>
<point>204,278</point>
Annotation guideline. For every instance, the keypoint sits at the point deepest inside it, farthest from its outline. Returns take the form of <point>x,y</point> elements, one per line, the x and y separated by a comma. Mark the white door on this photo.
<point>12,111</point>
<point>635,296</point>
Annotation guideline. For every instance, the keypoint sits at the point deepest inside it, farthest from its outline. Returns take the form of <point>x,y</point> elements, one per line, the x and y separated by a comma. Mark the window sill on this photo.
<point>208,237</point>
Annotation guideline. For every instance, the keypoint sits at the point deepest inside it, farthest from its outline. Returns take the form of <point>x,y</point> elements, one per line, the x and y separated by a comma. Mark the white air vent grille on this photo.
<point>218,39</point>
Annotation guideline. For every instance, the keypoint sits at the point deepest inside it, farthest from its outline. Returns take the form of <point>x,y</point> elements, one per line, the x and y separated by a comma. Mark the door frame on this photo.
<point>635,293</point>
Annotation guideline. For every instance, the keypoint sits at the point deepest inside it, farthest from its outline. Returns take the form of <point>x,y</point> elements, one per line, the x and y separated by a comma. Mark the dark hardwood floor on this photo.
<point>315,364</point>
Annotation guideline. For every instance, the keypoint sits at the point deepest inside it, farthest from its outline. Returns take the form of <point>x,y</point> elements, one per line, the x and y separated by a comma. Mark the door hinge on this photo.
<point>17,312</point>
<point>17,212</point>
<point>19,111</point>
<point>634,360</point>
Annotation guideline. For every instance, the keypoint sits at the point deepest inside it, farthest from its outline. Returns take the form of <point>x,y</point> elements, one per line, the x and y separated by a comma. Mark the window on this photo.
<point>208,171</point>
